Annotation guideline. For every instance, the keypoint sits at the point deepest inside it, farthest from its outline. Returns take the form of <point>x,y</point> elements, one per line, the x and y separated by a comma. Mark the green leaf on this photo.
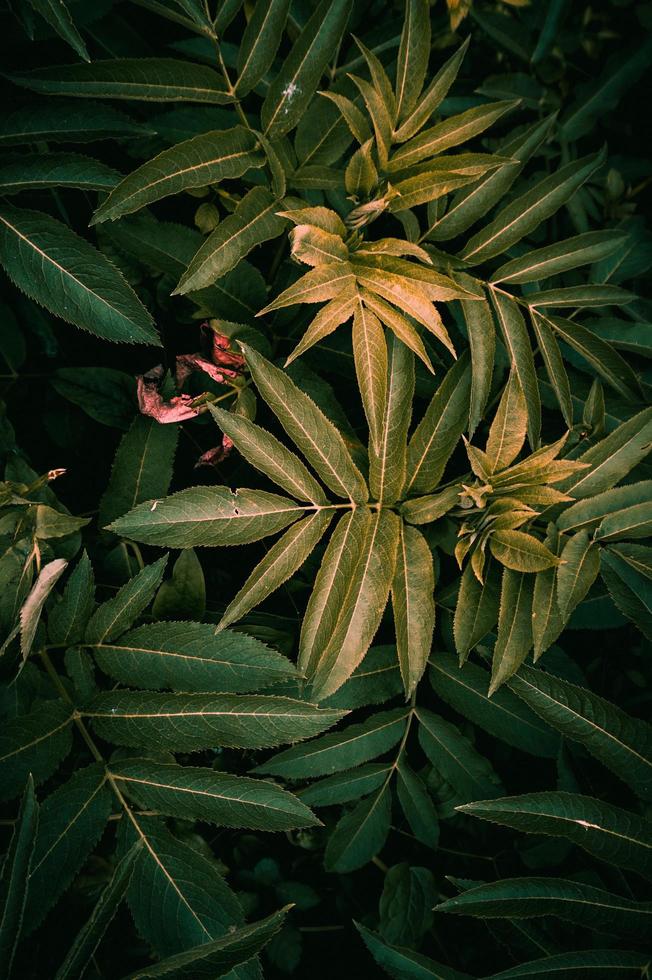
<point>580,559</point>
<point>406,903</point>
<point>507,432</point>
<point>555,368</point>
<point>346,786</point>
<point>613,457</point>
<point>50,523</point>
<point>191,657</point>
<point>57,15</point>
<point>425,510</point>
<point>504,715</point>
<point>199,161</point>
<point>49,170</point>
<point>67,620</point>
<point>517,343</point>
<point>388,458</point>
<point>405,964</point>
<point>375,681</point>
<point>626,575</point>
<point>547,622</point>
<point>413,604</point>
<point>34,743</point>
<point>551,260</point>
<point>65,274</point>
<point>607,832</point>
<point>526,212</point>
<point>599,964</point>
<point>30,613</point>
<point>433,95</point>
<point>439,431</point>
<point>317,438</point>
<point>253,221</point>
<point>208,517</point>
<point>14,877</point>
<point>413,54</point>
<point>361,833</point>
<point>116,615</point>
<point>142,467</point>
<point>591,511</point>
<point>417,805</point>
<point>260,42</point>
<point>482,342</point>
<point>185,593</point>
<point>216,797</point>
<point>455,758</point>
<point>370,357</point>
<point>90,935</point>
<point>580,904</point>
<point>219,957</point>
<point>369,581</point>
<point>620,742</point>
<point>147,79</point>
<point>289,94</point>
<point>282,561</point>
<point>104,394</point>
<point>71,822</point>
<point>600,355</point>
<point>514,639</point>
<point>190,722</point>
<point>476,611</point>
<point>520,551</point>
<point>345,749</point>
<point>56,121</point>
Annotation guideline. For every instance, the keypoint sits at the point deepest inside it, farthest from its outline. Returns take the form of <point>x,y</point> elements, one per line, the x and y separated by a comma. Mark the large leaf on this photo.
<point>600,964</point>
<point>116,615</point>
<point>260,43</point>
<point>49,170</point>
<point>361,833</point>
<point>67,620</point>
<point>70,278</point>
<point>297,81</point>
<point>15,876</point>
<point>613,457</point>
<point>412,57</point>
<point>388,457</point>
<point>199,161</point>
<point>34,743</point>
<point>620,742</point>
<point>413,604</point>
<point>191,657</point>
<point>216,797</point>
<point>514,639</point>
<point>60,121</point>
<point>605,831</point>
<point>540,263</point>
<point>404,964</point>
<point>517,343</point>
<point>370,356</point>
<point>142,467</point>
<point>455,758</point>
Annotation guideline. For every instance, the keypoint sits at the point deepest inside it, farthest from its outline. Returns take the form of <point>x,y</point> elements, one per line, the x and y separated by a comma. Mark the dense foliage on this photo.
<point>383,265</point>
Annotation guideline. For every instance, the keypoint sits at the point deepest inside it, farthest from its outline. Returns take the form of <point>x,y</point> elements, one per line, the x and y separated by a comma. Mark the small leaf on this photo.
<point>185,593</point>
<point>30,613</point>
<point>142,467</point>
<point>260,42</point>
<point>370,357</point>
<point>580,564</point>
<point>521,552</point>
<point>432,97</point>
<point>417,805</point>
<point>413,604</point>
<point>57,15</point>
<point>425,510</point>
<point>67,620</point>
<point>361,833</point>
<point>477,607</point>
<point>116,615</point>
<point>514,639</point>
<point>555,368</point>
<point>517,343</point>
<point>34,743</point>
<point>455,758</point>
<point>413,54</point>
<point>547,622</point>
<point>507,432</point>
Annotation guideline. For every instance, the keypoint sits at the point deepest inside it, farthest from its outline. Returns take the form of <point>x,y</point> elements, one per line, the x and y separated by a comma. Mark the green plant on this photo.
<point>401,314</point>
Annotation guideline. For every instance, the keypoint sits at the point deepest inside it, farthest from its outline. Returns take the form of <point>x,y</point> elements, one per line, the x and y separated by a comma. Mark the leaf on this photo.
<point>289,94</point>
<point>336,312</point>
<point>580,559</point>
<point>344,749</point>
<point>208,517</point>
<point>57,15</point>
<point>282,561</point>
<point>517,343</point>
<point>406,903</point>
<point>191,657</point>
<point>67,620</point>
<point>433,95</point>
<point>526,212</point>
<point>628,587</point>
<point>591,511</point>
<point>65,274</point>
<point>217,958</point>
<point>190,722</point>
<point>34,743</point>
<point>417,806</point>
<point>504,715</point>
<point>413,54</point>
<point>253,221</point>
<point>425,510</point>
<point>48,170</point>
<point>520,551</point>
<point>369,582</point>
<point>116,615</point>
<point>580,904</point>
<point>30,613</point>
<point>72,820</point>
<point>50,523</point>
<point>507,432</point>
<point>547,622</point>
<point>555,368</point>
<point>370,357</point>
<point>142,467</point>
<point>439,431</point>
<point>185,593</point>
<point>397,323</point>
<point>310,430</point>
<point>216,797</point>
<point>613,457</point>
<point>360,834</point>
<point>90,935</point>
<point>404,964</point>
<point>413,604</point>
<point>202,160</point>
<point>551,260</point>
<point>620,742</point>
<point>147,79</point>
<point>482,341</point>
<point>477,607</point>
<point>104,394</point>
<point>600,356</point>
<point>14,877</point>
<point>346,786</point>
<point>514,639</point>
<point>388,458</point>
<point>455,758</point>
<point>604,963</point>
<point>260,43</point>
<point>59,121</point>
<point>607,832</point>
